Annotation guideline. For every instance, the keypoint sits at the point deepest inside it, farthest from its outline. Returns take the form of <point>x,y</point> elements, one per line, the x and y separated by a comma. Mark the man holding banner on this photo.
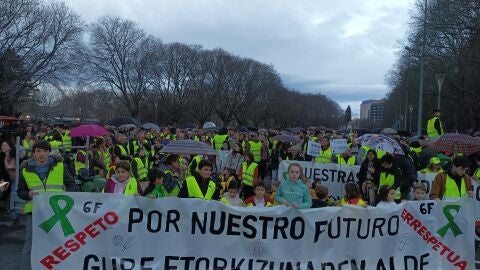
<point>200,185</point>
<point>42,173</point>
<point>455,183</point>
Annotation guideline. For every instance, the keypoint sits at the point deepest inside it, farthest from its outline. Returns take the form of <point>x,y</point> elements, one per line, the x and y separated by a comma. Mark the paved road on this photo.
<point>11,242</point>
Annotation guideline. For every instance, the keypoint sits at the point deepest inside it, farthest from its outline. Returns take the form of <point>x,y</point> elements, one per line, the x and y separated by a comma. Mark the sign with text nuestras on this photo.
<point>332,175</point>
<point>105,231</point>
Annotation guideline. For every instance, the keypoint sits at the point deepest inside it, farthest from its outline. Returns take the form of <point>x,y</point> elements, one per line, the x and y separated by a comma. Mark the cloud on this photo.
<point>340,48</point>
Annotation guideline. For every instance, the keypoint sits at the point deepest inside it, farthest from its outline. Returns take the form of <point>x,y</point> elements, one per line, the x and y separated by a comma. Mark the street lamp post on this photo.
<point>440,79</point>
<point>156,112</point>
<point>422,71</point>
<point>411,110</point>
<point>406,96</point>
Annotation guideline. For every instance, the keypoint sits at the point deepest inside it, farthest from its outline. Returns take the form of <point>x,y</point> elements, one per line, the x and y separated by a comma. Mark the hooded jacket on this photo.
<point>31,166</point>
<point>294,192</point>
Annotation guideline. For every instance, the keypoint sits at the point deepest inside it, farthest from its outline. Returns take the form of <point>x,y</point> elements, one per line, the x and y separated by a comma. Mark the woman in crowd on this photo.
<point>221,161</point>
<point>369,175</point>
<point>235,158</point>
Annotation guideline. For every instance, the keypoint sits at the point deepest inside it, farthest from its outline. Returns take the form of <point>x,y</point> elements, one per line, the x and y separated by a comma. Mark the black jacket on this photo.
<point>362,173</point>
<point>118,152</point>
<point>203,187</point>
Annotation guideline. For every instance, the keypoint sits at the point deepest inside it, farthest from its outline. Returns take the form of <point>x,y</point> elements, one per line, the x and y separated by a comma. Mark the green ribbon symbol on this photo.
<point>60,215</point>
<point>451,225</point>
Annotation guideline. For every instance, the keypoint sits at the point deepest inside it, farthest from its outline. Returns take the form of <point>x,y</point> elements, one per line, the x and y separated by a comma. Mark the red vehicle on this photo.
<point>6,121</point>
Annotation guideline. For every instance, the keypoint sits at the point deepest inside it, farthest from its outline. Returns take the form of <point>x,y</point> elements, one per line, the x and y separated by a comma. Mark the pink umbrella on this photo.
<point>88,130</point>
<point>456,143</point>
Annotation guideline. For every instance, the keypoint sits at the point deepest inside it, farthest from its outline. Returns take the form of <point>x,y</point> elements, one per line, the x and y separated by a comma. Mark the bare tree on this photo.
<point>119,57</point>
<point>42,37</point>
<point>203,94</point>
<point>173,77</point>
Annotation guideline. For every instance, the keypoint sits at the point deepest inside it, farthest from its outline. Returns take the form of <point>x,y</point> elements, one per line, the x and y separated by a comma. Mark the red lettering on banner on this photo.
<point>61,253</point>
<point>90,229</point>
<point>80,239</point>
<point>81,236</point>
<point>49,262</point>
<point>435,243</point>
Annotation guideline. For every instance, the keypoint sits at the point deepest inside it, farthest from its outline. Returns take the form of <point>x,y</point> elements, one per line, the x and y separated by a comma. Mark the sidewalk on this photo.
<point>11,241</point>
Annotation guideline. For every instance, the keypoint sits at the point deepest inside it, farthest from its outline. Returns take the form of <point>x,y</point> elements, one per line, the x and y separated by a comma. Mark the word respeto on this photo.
<point>92,230</point>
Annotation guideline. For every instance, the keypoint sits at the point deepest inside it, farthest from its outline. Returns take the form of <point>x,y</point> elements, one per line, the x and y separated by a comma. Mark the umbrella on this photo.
<point>88,130</point>
<point>456,143</point>
<point>388,131</point>
<point>127,127</point>
<point>208,125</point>
<point>243,129</point>
<point>191,125</point>
<point>124,120</point>
<point>287,138</point>
<point>151,126</point>
<point>189,147</point>
<point>380,142</point>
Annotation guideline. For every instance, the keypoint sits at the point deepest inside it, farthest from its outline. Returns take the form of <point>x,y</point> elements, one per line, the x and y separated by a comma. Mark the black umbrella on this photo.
<point>191,125</point>
<point>287,138</point>
<point>242,129</point>
<point>123,120</point>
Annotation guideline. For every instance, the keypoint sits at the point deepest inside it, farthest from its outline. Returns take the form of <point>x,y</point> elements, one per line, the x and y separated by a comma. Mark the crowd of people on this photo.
<point>243,173</point>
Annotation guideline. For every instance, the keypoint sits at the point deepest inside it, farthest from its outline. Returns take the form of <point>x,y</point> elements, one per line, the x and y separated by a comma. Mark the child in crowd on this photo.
<point>419,191</point>
<point>226,178</point>
<point>155,189</point>
<point>259,199</point>
<point>111,168</point>
<point>386,197</point>
<point>352,195</point>
<point>322,194</point>
<point>121,182</point>
<point>232,196</point>
<point>293,192</point>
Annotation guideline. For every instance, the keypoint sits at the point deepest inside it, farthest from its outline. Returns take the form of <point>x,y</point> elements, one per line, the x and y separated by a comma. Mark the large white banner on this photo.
<point>93,231</point>
<point>333,176</point>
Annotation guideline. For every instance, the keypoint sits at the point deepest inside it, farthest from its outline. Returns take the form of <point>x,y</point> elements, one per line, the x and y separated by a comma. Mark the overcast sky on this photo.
<point>341,48</point>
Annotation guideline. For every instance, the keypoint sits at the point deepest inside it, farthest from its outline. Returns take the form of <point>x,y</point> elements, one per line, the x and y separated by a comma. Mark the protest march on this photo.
<point>239,135</point>
<point>234,199</point>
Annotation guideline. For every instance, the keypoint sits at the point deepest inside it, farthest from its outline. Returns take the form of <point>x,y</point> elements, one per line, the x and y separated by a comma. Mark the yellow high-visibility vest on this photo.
<point>53,183</point>
<point>194,190</point>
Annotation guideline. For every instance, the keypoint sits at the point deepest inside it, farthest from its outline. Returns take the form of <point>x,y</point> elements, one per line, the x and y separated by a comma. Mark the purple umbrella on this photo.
<point>88,130</point>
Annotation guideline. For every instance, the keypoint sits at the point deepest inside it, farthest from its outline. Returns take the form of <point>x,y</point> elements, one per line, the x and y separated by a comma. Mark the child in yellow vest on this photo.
<point>232,196</point>
<point>226,178</point>
<point>259,199</point>
<point>352,195</point>
<point>121,182</point>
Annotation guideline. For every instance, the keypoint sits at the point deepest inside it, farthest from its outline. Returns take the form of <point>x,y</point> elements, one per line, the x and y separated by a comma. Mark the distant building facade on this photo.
<point>372,110</point>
